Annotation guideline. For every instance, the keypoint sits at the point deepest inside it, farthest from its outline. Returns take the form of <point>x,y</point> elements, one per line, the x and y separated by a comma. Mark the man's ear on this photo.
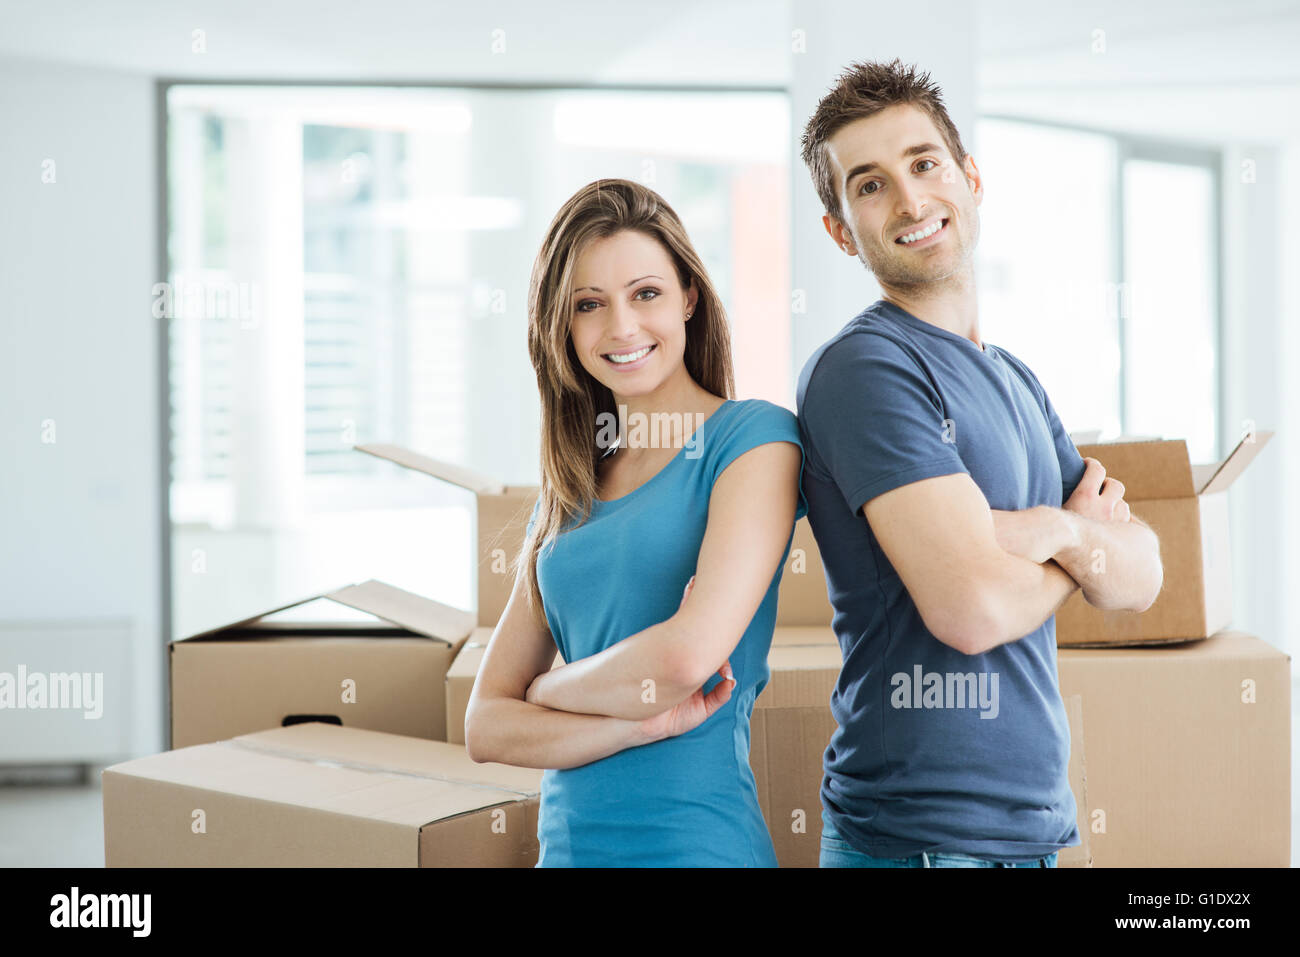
<point>973,179</point>
<point>839,234</point>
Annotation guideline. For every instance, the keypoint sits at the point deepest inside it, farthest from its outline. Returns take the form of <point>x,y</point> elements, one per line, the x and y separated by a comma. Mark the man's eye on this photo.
<point>871,182</point>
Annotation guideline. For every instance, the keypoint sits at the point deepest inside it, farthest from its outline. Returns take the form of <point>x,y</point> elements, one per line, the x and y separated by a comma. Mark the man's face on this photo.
<point>896,179</point>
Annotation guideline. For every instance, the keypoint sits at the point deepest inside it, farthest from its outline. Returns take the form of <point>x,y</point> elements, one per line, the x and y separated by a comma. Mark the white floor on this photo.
<point>63,825</point>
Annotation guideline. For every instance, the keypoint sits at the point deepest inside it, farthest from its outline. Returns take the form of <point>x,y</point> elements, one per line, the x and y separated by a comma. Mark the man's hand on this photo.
<point>1097,497</point>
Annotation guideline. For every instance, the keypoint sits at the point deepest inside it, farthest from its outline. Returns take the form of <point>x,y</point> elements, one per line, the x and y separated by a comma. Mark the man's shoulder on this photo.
<point>862,338</point>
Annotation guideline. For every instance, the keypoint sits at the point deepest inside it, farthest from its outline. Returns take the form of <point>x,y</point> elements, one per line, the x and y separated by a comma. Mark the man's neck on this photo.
<point>954,309</point>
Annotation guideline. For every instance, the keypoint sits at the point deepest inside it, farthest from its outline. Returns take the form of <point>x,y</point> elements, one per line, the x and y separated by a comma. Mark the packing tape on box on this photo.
<point>373,768</point>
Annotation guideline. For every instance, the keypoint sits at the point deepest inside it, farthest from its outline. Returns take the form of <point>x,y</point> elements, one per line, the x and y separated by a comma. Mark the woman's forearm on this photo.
<point>514,732</point>
<point>633,679</point>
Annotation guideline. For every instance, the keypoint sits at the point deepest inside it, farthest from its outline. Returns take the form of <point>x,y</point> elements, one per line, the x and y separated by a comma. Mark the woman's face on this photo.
<point>627,299</point>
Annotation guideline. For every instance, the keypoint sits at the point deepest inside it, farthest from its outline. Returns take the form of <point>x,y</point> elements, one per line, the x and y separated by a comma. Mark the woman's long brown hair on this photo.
<point>571,398</point>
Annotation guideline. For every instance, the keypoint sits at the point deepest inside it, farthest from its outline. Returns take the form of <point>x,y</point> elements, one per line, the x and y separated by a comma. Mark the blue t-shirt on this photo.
<point>935,751</point>
<point>688,800</point>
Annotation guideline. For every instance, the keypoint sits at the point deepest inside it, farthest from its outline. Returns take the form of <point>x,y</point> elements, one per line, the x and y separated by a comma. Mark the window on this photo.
<point>1098,267</point>
<point>351,265</point>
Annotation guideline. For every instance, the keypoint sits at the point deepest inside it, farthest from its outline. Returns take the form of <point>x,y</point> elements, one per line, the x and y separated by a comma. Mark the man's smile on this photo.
<point>925,234</point>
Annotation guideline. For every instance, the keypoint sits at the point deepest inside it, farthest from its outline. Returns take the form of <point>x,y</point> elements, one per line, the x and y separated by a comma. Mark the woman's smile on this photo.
<point>631,359</point>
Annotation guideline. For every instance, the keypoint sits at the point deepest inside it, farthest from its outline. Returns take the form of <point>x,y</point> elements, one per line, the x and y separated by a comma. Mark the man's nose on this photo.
<point>911,205</point>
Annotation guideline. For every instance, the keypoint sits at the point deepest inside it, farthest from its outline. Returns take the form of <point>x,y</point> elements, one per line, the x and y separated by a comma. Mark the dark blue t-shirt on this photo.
<point>936,750</point>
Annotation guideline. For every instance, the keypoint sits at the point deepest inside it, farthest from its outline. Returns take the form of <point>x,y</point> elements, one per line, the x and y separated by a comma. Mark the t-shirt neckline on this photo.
<point>699,429</point>
<point>901,314</point>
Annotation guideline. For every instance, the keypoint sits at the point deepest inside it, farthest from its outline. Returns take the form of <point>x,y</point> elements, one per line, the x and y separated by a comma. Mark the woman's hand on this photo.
<point>692,712</point>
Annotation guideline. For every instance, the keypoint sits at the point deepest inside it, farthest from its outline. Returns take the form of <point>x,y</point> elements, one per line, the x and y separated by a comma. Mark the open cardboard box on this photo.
<point>1187,507</point>
<point>501,518</point>
<point>365,656</point>
<point>319,795</point>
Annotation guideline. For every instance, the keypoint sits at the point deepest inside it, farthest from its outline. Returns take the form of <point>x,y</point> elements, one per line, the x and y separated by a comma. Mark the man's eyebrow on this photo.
<point>910,151</point>
<point>631,283</point>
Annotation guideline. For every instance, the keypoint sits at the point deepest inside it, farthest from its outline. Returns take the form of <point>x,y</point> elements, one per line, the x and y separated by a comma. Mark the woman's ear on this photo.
<point>692,298</point>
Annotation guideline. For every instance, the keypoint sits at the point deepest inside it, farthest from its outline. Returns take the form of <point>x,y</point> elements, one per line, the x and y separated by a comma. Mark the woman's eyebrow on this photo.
<point>630,283</point>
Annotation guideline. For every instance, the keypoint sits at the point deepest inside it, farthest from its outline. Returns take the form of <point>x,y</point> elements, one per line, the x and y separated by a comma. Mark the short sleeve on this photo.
<point>756,423</point>
<point>875,419</point>
<point>1072,464</point>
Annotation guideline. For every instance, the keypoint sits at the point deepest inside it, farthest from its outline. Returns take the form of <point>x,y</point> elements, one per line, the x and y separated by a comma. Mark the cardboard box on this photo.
<point>319,795</point>
<point>803,600</point>
<point>792,726</point>
<point>460,681</point>
<point>788,734</point>
<point>1188,751</point>
<point>1187,507</point>
<point>501,519</point>
<point>364,656</point>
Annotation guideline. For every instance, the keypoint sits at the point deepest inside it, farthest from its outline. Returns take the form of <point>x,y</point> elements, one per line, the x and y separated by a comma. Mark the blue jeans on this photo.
<point>837,852</point>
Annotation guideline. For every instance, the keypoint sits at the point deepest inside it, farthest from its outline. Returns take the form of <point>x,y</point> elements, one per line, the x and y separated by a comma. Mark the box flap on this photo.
<point>1148,470</point>
<point>1218,476</point>
<point>476,482</point>
<point>415,613</point>
<point>243,622</point>
<point>411,611</point>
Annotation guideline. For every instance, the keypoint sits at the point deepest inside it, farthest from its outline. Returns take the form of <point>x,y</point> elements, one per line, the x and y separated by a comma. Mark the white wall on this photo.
<point>81,515</point>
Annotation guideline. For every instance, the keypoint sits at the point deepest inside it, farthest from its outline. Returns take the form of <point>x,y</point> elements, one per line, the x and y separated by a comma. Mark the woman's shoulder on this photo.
<point>752,422</point>
<point>763,413</point>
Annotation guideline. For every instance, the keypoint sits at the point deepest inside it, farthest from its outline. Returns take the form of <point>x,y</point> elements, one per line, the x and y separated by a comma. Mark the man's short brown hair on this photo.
<point>865,89</point>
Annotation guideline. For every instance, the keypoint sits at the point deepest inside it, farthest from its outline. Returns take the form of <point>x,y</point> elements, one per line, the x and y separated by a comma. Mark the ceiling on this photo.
<point>1200,70</point>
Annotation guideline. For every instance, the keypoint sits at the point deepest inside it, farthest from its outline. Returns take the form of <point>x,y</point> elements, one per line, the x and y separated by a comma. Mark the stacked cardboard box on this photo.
<point>407,664</point>
<point>1187,721</point>
<point>1188,750</point>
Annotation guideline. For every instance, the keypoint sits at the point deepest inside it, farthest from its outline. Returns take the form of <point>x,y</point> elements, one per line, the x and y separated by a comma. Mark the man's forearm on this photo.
<point>635,678</point>
<point>1026,595</point>
<point>514,732</point>
<point>1117,564</point>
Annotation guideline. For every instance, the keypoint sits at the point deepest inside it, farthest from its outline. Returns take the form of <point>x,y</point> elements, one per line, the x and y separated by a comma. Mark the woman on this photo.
<point>652,560</point>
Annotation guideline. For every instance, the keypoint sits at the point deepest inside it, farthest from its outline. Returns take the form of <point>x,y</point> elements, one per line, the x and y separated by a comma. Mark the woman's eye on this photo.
<point>647,289</point>
<point>931,162</point>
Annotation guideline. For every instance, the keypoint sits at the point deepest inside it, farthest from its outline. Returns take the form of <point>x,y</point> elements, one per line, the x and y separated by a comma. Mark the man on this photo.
<point>953,513</point>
